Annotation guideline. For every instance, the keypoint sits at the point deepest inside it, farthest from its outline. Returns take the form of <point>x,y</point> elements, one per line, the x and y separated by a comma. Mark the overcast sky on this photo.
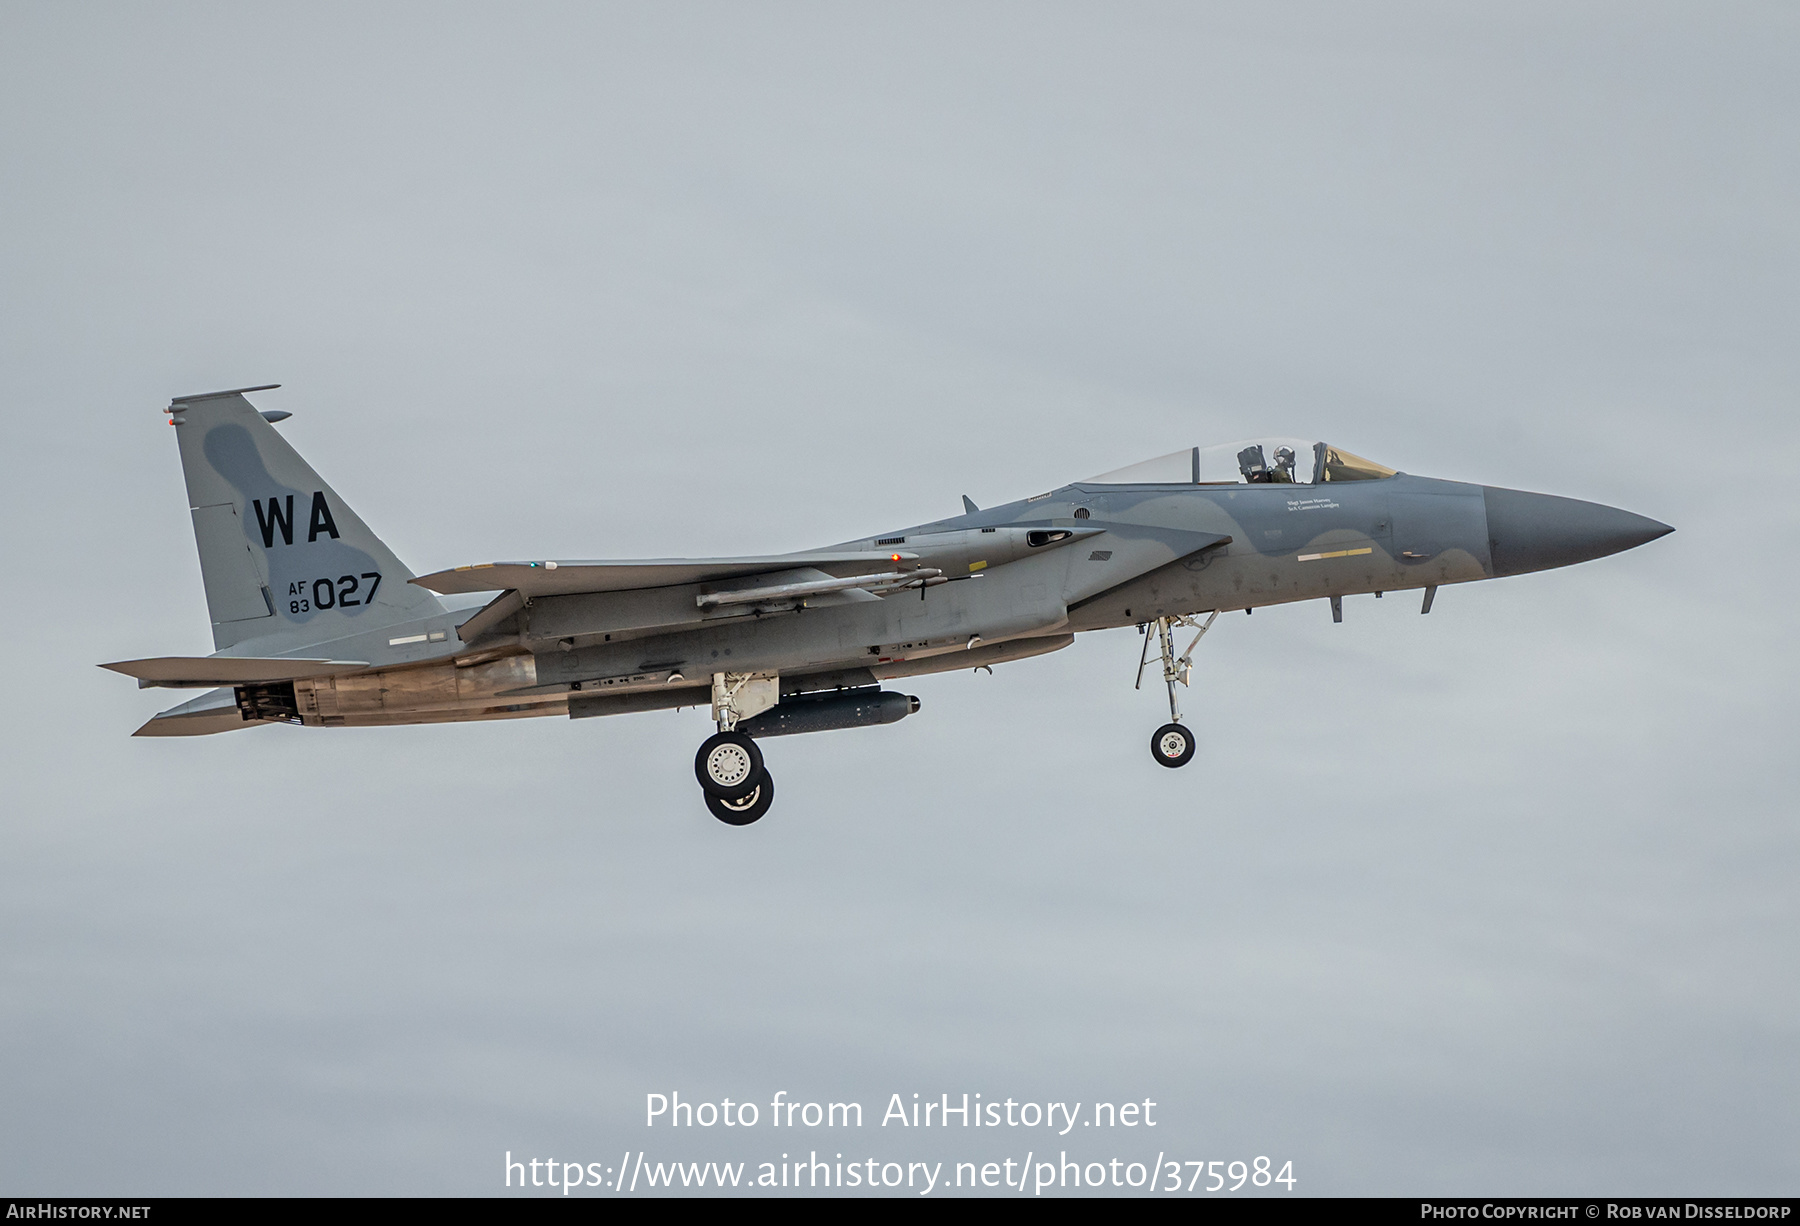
<point>1495,901</point>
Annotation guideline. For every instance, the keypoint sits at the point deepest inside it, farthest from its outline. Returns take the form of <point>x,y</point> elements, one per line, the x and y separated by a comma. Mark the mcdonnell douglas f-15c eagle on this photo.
<point>315,622</point>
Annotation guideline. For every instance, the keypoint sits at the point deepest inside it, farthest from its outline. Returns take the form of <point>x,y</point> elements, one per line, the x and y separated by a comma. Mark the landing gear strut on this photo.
<point>1173,743</point>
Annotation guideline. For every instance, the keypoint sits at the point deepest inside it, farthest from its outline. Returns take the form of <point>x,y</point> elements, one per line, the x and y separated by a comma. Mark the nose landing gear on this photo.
<point>1173,744</point>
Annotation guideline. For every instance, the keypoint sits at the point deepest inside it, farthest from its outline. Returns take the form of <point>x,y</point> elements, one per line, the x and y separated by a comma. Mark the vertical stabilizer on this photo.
<point>281,554</point>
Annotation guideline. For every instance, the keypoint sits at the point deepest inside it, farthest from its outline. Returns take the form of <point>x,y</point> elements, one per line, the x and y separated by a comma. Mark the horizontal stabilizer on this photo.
<point>202,716</point>
<point>575,578</point>
<point>229,670</point>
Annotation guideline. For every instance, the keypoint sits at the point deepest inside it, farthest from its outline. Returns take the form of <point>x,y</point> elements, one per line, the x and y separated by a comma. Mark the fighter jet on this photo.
<point>315,622</point>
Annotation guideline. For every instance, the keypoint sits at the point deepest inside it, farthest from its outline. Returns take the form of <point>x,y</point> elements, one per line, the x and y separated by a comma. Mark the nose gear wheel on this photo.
<point>1172,745</point>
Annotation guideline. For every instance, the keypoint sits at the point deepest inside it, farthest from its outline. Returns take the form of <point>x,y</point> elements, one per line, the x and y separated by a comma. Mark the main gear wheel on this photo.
<point>728,765</point>
<point>750,808</point>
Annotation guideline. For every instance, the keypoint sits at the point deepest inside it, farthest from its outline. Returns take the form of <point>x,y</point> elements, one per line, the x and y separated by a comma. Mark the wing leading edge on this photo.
<point>578,578</point>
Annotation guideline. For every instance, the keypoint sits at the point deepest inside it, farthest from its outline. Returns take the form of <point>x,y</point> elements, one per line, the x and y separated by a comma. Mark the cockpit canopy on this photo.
<point>1259,461</point>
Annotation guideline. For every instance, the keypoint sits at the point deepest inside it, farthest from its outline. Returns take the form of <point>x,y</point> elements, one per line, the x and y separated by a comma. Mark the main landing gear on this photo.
<point>1172,744</point>
<point>729,765</point>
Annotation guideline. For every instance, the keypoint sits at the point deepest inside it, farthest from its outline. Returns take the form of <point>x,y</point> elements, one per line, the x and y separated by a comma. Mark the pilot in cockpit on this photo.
<point>1252,464</point>
<point>1258,471</point>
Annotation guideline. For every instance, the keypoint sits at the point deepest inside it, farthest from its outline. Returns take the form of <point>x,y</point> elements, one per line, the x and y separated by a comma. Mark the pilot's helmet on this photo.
<point>1284,457</point>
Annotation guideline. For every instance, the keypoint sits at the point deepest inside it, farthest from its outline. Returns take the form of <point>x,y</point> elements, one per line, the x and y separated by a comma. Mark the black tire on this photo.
<point>1172,745</point>
<point>750,808</point>
<point>728,765</point>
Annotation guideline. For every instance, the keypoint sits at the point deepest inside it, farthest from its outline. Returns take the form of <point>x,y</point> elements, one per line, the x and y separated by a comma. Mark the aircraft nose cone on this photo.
<point>1528,532</point>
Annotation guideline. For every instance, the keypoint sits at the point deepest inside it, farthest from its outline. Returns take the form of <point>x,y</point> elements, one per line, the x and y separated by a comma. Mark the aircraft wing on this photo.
<point>576,578</point>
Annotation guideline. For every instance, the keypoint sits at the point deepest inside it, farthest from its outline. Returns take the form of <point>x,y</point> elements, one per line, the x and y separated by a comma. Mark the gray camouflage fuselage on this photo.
<point>1007,582</point>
